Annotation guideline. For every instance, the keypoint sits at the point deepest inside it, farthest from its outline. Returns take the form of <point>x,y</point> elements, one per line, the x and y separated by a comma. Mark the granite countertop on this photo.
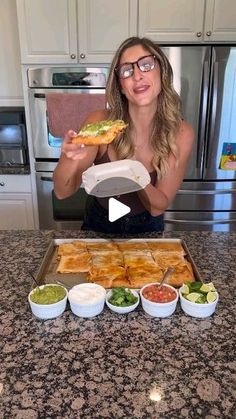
<point>116,366</point>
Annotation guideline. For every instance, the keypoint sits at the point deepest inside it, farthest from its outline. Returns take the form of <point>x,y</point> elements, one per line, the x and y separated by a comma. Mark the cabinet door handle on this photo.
<point>199,34</point>
<point>82,56</point>
<point>2,183</point>
<point>208,33</point>
<point>39,95</point>
<point>73,56</point>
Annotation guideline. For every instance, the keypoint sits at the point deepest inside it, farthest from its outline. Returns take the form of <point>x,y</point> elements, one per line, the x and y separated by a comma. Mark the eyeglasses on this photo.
<point>145,64</point>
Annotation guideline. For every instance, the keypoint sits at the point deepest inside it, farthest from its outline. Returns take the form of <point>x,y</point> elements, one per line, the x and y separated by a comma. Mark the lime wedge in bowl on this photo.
<point>193,296</point>
<point>202,299</point>
<point>199,303</point>
<point>207,287</point>
<point>185,289</point>
<point>211,296</point>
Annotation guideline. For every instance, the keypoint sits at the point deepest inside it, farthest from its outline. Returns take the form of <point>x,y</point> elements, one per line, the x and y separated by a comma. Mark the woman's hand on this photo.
<point>73,151</point>
<point>74,160</point>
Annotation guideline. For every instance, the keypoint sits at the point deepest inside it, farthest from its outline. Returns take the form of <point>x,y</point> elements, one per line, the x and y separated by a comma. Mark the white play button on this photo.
<point>116,209</point>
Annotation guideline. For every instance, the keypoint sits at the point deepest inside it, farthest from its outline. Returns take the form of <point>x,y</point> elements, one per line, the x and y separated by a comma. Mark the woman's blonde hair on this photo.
<point>166,121</point>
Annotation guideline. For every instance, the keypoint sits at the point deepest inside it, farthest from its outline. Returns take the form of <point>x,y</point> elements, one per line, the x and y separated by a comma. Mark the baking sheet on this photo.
<point>47,271</point>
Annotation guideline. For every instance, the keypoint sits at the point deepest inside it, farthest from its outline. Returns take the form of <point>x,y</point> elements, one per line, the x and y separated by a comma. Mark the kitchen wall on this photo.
<point>11,91</point>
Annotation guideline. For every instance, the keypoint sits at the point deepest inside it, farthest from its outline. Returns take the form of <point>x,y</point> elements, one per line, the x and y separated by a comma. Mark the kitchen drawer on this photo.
<point>15,183</point>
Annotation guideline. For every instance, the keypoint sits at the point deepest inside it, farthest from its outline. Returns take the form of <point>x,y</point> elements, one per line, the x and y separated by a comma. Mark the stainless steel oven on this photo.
<point>54,213</point>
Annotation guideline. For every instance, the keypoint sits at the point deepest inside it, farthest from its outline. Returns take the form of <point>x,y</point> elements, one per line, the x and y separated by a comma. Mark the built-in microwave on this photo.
<point>13,138</point>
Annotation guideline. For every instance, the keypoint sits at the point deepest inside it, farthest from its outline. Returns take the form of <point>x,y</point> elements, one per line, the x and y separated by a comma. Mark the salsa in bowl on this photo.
<point>159,301</point>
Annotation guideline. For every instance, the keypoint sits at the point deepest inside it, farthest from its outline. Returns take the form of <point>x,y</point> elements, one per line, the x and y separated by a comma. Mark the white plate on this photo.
<point>115,178</point>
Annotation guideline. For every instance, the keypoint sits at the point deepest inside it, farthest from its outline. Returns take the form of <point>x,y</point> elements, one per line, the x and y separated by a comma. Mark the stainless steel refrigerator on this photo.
<point>205,78</point>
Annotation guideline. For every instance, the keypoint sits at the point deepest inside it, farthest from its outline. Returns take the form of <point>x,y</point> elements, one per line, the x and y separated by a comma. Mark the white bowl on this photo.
<point>158,309</point>
<point>87,300</point>
<point>122,310</point>
<point>195,309</point>
<point>48,311</point>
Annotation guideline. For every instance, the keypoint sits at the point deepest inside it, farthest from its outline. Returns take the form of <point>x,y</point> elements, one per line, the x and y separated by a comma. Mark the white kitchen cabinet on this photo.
<point>16,207</point>
<point>11,91</point>
<point>74,31</point>
<point>102,26</point>
<point>188,20</point>
<point>47,31</point>
<point>220,21</point>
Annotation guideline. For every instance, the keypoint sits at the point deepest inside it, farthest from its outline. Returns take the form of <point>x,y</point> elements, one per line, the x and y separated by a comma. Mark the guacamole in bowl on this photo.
<point>48,294</point>
<point>48,301</point>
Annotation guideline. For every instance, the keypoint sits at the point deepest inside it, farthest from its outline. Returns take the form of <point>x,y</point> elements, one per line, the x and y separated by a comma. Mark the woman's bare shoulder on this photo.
<point>186,130</point>
<point>185,135</point>
<point>184,141</point>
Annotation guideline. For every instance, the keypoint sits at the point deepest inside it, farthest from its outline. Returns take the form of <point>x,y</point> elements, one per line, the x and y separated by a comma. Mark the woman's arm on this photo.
<point>156,199</point>
<point>74,160</point>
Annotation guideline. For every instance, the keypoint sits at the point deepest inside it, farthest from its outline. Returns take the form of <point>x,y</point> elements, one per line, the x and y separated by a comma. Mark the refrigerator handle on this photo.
<point>207,192</point>
<point>213,112</point>
<point>199,222</point>
<point>202,114</point>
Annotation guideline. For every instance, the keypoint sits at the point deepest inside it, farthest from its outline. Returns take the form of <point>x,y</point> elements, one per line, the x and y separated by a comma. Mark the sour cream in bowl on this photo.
<point>87,300</point>
<point>159,302</point>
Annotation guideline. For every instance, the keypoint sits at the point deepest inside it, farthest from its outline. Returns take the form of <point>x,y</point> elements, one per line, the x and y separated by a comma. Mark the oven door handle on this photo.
<point>39,95</point>
<point>46,178</point>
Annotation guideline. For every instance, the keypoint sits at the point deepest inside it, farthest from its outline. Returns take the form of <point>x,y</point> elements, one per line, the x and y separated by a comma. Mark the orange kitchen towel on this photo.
<point>68,110</point>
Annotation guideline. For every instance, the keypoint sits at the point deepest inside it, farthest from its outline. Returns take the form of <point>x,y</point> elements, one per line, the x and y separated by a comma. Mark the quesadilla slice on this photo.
<point>183,273</point>
<point>103,132</point>
<point>101,259</point>
<point>70,248</point>
<point>166,247</point>
<point>168,259</point>
<point>106,246</point>
<point>74,263</point>
<point>133,259</point>
<point>139,276</point>
<point>133,246</point>
<point>105,275</point>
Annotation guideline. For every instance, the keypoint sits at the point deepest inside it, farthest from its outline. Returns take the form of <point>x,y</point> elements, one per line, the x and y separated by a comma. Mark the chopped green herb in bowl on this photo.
<point>122,300</point>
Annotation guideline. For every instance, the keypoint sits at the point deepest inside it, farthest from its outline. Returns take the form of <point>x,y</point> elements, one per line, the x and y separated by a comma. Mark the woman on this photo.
<point>139,91</point>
